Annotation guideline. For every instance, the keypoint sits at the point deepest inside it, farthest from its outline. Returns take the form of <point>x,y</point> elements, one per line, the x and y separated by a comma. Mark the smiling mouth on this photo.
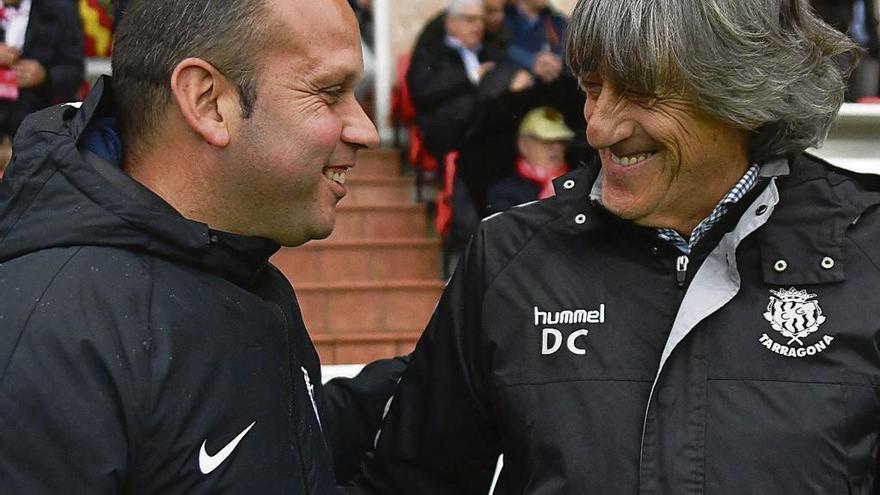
<point>630,160</point>
<point>336,174</point>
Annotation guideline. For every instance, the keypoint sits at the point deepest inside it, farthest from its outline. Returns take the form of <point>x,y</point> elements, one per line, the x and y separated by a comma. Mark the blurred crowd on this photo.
<point>858,18</point>
<point>43,50</point>
<point>476,70</point>
<point>493,103</point>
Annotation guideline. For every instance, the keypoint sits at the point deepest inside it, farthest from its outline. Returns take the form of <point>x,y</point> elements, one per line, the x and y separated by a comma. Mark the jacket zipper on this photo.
<point>681,267</point>
<point>681,273</point>
<point>293,412</point>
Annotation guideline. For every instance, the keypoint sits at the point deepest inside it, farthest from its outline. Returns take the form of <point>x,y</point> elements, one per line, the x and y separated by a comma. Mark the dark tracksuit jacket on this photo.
<point>598,360</point>
<point>141,352</point>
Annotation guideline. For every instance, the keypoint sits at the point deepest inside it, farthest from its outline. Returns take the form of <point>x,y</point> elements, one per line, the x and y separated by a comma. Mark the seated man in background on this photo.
<point>450,77</point>
<point>697,314</point>
<point>41,61</point>
<point>541,143</point>
<point>493,17</point>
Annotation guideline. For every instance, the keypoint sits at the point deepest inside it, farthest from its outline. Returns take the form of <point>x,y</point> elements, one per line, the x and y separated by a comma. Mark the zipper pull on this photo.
<point>681,269</point>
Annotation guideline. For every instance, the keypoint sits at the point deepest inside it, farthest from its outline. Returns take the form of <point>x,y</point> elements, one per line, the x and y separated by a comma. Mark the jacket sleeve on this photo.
<point>353,409</point>
<point>439,436</point>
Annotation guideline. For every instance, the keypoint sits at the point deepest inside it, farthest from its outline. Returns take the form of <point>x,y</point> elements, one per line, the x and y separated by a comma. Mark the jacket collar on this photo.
<point>52,166</point>
<point>802,242</point>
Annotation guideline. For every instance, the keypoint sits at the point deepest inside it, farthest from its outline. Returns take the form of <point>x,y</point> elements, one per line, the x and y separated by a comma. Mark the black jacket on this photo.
<point>447,102</point>
<point>136,344</point>
<point>54,38</point>
<point>597,361</point>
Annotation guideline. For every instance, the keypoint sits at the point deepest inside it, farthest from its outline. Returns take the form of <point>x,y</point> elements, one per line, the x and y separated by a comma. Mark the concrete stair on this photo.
<point>368,290</point>
<point>361,260</point>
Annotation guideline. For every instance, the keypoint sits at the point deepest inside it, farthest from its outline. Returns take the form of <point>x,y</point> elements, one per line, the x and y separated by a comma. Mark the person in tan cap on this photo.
<point>542,140</point>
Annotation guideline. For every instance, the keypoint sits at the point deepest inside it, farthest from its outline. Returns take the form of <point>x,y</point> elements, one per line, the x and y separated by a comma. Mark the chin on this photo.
<point>323,230</point>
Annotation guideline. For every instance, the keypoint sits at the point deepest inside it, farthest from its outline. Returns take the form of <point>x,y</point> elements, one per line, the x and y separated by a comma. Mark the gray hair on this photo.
<point>455,6</point>
<point>770,66</point>
<point>154,36</point>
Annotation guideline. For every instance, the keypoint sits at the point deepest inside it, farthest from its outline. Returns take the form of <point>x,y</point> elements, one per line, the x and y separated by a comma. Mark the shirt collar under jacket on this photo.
<point>469,57</point>
<point>744,185</point>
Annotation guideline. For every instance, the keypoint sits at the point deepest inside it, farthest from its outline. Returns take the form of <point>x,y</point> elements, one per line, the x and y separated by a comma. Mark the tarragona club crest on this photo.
<point>796,316</point>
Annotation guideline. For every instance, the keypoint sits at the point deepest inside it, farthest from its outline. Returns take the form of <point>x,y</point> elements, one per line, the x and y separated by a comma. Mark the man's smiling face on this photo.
<point>665,163</point>
<point>292,154</point>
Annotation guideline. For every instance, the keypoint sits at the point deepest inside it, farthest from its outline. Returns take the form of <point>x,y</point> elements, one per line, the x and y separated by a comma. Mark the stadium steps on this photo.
<point>368,290</point>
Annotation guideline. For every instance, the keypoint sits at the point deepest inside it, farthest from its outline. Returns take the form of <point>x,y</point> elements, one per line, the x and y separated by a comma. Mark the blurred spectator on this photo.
<point>363,10</point>
<point>857,18</point>
<point>541,144</point>
<point>494,37</point>
<point>536,37</point>
<point>490,151</point>
<point>450,77</point>
<point>866,77</point>
<point>41,58</point>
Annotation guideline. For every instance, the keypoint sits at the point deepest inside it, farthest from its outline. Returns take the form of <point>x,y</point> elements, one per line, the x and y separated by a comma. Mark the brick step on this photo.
<point>359,348</point>
<point>380,190</point>
<point>348,307</point>
<point>361,260</point>
<point>377,163</point>
<point>380,222</point>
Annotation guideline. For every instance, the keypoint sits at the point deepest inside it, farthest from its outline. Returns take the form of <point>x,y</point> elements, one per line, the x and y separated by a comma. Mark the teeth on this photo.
<point>336,174</point>
<point>628,161</point>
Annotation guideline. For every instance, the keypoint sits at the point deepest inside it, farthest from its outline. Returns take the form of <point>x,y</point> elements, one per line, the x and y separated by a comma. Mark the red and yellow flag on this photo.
<point>97,20</point>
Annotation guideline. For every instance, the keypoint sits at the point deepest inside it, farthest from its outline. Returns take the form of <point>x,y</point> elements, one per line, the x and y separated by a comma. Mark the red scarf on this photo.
<point>542,176</point>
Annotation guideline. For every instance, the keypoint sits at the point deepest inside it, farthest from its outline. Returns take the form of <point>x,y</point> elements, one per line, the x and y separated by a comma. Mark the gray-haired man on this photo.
<point>695,315</point>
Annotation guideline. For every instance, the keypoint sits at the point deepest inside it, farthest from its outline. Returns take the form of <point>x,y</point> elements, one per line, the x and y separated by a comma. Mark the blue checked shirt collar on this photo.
<point>745,184</point>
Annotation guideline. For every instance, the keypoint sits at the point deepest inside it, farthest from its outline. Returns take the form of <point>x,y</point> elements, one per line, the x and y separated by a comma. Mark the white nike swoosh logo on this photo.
<point>208,463</point>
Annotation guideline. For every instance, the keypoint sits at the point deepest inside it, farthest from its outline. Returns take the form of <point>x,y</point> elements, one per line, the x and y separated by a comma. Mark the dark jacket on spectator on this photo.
<point>839,14</point>
<point>446,100</point>
<point>490,152</point>
<point>436,29</point>
<point>510,191</point>
<point>528,38</point>
<point>55,39</point>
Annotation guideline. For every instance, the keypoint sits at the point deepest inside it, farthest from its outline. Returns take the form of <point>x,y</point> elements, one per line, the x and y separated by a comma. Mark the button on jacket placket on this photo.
<point>715,283</point>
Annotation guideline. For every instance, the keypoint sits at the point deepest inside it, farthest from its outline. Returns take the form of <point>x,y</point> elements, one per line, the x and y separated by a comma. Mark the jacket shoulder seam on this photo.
<point>515,254</point>
<point>33,310</point>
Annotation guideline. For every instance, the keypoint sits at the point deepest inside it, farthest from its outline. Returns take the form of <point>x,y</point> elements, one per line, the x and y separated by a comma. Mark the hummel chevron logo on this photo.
<point>208,463</point>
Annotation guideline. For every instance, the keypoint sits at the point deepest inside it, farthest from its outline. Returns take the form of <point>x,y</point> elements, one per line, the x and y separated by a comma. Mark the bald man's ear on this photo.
<point>206,99</point>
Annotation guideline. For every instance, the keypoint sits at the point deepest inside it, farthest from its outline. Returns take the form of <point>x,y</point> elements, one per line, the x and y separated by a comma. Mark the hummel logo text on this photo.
<point>570,316</point>
<point>552,339</point>
<point>208,463</point>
